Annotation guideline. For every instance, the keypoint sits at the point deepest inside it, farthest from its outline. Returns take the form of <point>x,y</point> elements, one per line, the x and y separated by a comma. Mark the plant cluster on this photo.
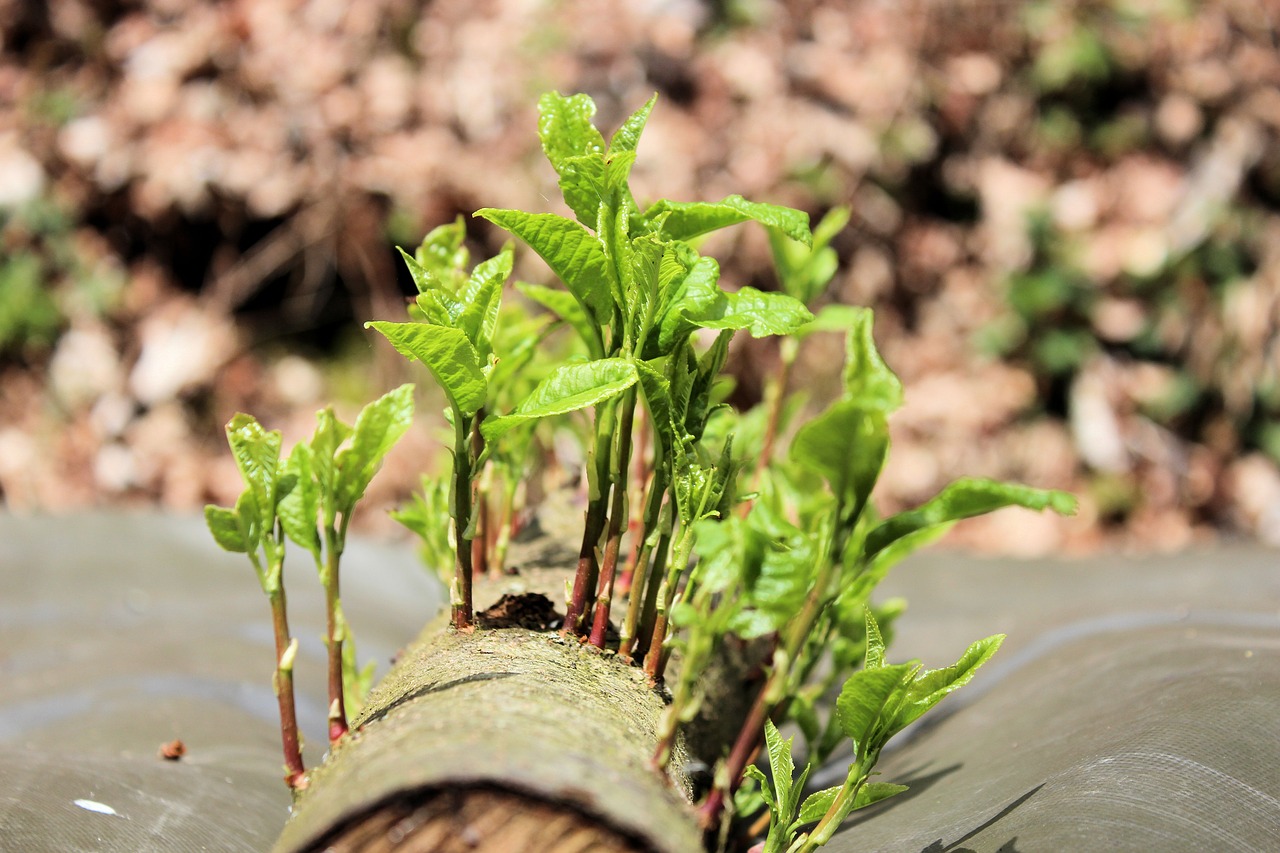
<point>308,498</point>
<point>791,563</point>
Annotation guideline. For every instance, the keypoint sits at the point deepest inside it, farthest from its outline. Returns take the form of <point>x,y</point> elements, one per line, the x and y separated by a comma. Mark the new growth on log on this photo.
<point>719,585</point>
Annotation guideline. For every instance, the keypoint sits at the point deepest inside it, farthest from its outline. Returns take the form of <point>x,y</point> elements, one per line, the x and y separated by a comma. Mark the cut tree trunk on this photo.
<point>505,740</point>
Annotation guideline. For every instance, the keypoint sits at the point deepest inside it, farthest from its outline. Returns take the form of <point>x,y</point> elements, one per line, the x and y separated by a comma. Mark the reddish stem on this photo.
<point>337,696</point>
<point>584,579</point>
<point>295,771</point>
<point>744,751</point>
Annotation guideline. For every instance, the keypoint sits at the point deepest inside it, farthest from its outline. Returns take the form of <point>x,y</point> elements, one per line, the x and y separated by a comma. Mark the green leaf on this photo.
<point>816,805</point>
<point>693,295</point>
<point>442,253</point>
<point>573,253</point>
<point>567,389</point>
<point>257,455</point>
<point>423,279</point>
<point>299,509</point>
<point>328,437</point>
<point>806,271</point>
<point>873,792</point>
<point>565,305</point>
<point>766,790</point>
<point>378,427</point>
<point>965,498</point>
<point>875,642</point>
<point>657,398</point>
<point>759,312</point>
<point>481,298</point>
<point>834,318</point>
<point>224,524</point>
<point>931,686</point>
<point>863,699</point>
<point>867,379</point>
<point>781,765</point>
<point>627,137</point>
<point>847,445</point>
<point>575,150</point>
<point>447,354</point>
<point>691,219</point>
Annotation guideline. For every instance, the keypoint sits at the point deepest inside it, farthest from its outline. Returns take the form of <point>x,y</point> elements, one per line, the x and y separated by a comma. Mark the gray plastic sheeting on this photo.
<point>119,633</point>
<point>1134,706</point>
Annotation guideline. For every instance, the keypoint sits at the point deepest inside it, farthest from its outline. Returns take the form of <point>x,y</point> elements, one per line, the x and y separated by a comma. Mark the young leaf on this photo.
<point>447,354</point>
<point>847,444</point>
<point>687,220</point>
<point>757,311</point>
<point>766,790</point>
<point>965,498</point>
<point>873,792</point>
<point>867,379</point>
<point>378,427</point>
<point>781,765</point>
<point>442,253</point>
<point>299,509</point>
<point>567,389</point>
<point>565,306</point>
<point>257,455</point>
<point>224,524</point>
<point>816,805</point>
<point>626,137</point>
<point>931,686</point>
<point>575,150</point>
<point>481,297</point>
<point>329,435</point>
<point>573,253</point>
<point>438,307</point>
<point>875,643</point>
<point>423,278</point>
<point>862,699</point>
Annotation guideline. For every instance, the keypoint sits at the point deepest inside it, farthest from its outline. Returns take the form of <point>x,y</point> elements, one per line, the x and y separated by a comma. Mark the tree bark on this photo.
<point>505,739</point>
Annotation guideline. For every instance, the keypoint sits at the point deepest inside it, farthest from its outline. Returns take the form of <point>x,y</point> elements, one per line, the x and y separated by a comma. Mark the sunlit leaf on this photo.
<point>224,524</point>
<point>847,444</point>
<point>377,428</point>
<point>299,510</point>
<point>573,253</point>
<point>965,498</point>
<point>575,150</point>
<point>929,688</point>
<point>759,312</point>
<point>257,455</point>
<point>691,219</point>
<point>567,389</point>
<point>867,379</point>
<point>447,354</point>
<point>481,298</point>
<point>863,699</point>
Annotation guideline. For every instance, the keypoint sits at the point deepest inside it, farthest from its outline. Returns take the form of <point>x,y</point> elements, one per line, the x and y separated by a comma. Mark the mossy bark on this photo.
<point>558,733</point>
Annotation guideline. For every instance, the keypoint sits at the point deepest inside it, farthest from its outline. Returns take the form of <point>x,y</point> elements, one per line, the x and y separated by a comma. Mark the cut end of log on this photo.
<point>476,820</point>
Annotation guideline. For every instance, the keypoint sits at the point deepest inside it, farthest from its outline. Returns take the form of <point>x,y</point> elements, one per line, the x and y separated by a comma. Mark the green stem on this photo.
<point>463,611</point>
<point>655,661</point>
<point>587,573</point>
<point>334,637</point>
<point>840,807</point>
<point>480,540</point>
<point>621,461</point>
<point>641,582</point>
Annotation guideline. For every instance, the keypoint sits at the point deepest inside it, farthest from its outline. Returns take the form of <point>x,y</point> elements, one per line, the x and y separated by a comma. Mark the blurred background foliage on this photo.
<point>1064,213</point>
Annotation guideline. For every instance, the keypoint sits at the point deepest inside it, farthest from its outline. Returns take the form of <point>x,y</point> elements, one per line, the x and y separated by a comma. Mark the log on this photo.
<point>509,738</point>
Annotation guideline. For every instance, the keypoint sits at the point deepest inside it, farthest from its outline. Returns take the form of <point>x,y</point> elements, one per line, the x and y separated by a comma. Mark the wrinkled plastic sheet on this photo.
<point>1134,706</point>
